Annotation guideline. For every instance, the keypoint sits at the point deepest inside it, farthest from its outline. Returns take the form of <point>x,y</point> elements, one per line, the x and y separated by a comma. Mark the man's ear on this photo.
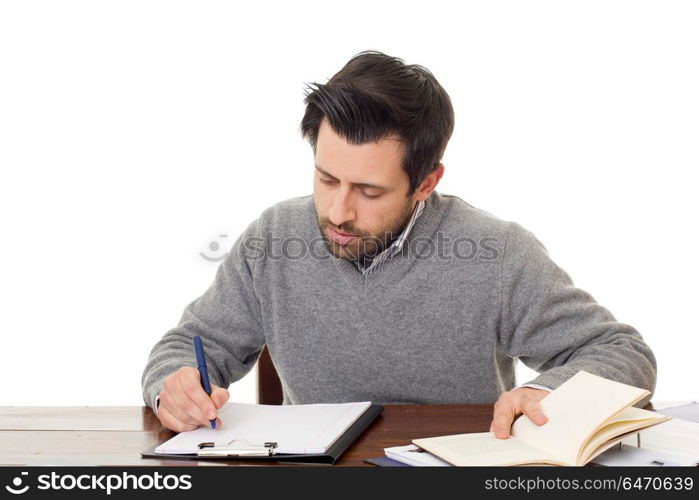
<point>429,183</point>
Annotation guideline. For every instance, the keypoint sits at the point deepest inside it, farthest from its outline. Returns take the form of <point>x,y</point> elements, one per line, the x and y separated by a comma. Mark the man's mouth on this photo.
<point>341,238</point>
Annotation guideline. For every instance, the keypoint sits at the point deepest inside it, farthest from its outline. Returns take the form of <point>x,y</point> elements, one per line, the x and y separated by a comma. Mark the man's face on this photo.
<point>360,193</point>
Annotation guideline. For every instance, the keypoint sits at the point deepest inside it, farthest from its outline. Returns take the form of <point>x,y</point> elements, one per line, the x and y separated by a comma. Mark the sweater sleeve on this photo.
<point>558,329</point>
<point>226,316</point>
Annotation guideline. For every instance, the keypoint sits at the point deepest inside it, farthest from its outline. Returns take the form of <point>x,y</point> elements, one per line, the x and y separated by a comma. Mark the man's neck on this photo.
<point>365,261</point>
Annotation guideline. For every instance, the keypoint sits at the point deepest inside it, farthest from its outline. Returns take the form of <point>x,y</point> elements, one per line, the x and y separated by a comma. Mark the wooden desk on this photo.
<point>115,435</point>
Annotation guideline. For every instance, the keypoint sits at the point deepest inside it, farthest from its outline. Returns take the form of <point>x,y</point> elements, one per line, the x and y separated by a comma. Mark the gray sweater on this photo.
<point>442,321</point>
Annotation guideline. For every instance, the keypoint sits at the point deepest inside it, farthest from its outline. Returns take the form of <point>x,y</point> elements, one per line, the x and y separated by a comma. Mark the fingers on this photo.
<point>196,403</point>
<point>511,404</point>
<point>170,402</point>
<point>172,422</point>
<point>169,420</point>
<point>185,400</point>
<point>219,395</point>
<point>204,406</point>
<point>503,415</point>
<point>532,409</point>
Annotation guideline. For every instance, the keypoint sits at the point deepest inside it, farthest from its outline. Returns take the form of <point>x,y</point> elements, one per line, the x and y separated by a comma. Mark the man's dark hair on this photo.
<point>376,96</point>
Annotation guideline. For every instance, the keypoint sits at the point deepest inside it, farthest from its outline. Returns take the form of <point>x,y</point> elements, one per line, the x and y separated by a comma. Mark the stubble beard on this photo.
<point>365,245</point>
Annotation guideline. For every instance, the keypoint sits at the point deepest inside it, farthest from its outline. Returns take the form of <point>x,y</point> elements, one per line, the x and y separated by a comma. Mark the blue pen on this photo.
<point>203,372</point>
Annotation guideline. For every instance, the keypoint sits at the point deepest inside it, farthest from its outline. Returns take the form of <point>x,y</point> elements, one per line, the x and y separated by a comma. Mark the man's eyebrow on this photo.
<point>358,184</point>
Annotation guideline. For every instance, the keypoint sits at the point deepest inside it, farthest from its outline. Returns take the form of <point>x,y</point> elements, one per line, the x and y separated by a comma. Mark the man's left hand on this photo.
<point>513,403</point>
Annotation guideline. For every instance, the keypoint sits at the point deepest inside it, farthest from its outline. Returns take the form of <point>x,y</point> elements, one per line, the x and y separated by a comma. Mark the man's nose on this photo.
<point>342,209</point>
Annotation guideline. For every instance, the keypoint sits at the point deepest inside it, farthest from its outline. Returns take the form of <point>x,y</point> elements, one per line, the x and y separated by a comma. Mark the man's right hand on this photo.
<point>184,405</point>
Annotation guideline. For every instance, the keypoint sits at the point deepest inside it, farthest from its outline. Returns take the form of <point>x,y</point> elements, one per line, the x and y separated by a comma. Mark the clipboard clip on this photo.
<point>236,448</point>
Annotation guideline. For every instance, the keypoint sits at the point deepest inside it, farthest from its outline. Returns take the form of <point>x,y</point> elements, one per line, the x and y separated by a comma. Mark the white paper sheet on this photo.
<point>298,429</point>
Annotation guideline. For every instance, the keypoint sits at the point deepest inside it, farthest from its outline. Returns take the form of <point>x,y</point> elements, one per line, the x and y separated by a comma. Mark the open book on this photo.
<point>587,415</point>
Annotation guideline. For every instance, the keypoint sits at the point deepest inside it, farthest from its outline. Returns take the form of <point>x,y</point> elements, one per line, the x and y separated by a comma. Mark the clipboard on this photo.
<point>264,452</point>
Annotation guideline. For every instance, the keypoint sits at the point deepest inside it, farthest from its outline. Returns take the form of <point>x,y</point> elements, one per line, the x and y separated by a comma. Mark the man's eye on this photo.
<point>327,181</point>
<point>370,196</point>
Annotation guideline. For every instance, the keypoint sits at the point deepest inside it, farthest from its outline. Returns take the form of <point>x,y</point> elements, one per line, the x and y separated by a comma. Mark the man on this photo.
<point>377,287</point>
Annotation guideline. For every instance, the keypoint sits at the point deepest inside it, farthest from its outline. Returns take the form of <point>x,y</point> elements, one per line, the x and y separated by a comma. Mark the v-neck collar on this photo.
<point>395,246</point>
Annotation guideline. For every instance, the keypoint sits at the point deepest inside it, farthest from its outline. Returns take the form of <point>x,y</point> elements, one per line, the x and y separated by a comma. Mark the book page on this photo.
<point>297,429</point>
<point>627,421</point>
<point>575,410</point>
<point>482,449</point>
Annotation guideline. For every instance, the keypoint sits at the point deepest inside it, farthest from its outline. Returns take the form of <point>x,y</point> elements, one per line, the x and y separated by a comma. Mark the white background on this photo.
<point>134,134</point>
